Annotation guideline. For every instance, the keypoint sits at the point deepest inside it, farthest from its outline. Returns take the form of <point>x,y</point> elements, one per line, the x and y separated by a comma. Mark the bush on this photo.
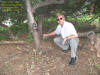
<point>80,22</point>
<point>3,37</point>
<point>19,28</point>
<point>3,29</point>
<point>3,33</point>
<point>30,38</point>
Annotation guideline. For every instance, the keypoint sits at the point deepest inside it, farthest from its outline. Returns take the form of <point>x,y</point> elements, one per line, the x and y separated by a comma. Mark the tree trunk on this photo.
<point>92,8</point>
<point>99,21</point>
<point>32,21</point>
<point>11,35</point>
<point>40,24</point>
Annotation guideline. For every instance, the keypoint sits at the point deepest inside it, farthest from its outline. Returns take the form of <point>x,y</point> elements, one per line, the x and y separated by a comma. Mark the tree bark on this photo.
<point>11,34</point>
<point>32,21</point>
<point>99,21</point>
<point>84,34</point>
<point>40,24</point>
<point>92,8</point>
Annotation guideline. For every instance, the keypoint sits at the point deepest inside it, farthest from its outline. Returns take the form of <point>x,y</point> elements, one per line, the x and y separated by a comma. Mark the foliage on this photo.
<point>14,15</point>
<point>3,37</point>
<point>83,18</point>
<point>2,32</point>
<point>44,39</point>
<point>18,29</point>
<point>81,22</point>
<point>30,39</point>
<point>33,2</point>
<point>50,22</point>
<point>57,11</point>
<point>97,66</point>
<point>3,29</point>
<point>97,7</point>
<point>17,35</point>
<point>89,70</point>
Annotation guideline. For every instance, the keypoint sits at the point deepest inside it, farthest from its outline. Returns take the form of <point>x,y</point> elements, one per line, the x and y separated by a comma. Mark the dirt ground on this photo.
<point>50,60</point>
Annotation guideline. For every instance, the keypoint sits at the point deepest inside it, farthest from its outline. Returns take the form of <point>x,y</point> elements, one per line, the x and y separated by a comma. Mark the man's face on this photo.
<point>60,20</point>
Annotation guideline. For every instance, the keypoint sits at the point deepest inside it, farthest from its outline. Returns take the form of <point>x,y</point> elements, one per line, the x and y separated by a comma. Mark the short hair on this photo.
<point>60,15</point>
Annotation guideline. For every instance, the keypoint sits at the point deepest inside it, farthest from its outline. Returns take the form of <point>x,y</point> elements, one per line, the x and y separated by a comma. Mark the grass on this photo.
<point>97,66</point>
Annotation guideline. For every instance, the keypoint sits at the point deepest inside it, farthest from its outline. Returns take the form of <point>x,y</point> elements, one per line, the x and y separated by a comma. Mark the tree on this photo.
<point>32,24</point>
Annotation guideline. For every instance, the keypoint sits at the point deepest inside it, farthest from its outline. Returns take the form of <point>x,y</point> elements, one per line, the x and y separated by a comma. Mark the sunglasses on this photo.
<point>59,19</point>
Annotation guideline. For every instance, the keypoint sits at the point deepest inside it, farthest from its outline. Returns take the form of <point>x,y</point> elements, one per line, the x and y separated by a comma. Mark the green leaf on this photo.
<point>44,39</point>
<point>30,38</point>
<point>97,66</point>
<point>3,29</point>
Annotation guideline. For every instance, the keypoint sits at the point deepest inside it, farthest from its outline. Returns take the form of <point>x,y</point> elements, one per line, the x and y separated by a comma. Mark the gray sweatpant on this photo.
<point>70,43</point>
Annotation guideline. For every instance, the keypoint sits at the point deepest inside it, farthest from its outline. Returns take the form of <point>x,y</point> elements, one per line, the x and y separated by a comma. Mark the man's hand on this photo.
<point>45,35</point>
<point>63,42</point>
<point>49,34</point>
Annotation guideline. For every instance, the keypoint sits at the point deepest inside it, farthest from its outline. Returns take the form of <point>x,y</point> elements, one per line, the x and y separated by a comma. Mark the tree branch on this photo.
<point>12,42</point>
<point>47,2</point>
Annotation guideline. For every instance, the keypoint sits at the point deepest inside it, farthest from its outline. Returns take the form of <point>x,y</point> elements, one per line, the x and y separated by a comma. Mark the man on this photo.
<point>68,38</point>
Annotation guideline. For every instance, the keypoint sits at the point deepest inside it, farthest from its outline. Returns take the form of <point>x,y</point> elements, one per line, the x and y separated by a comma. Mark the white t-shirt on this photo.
<point>67,30</point>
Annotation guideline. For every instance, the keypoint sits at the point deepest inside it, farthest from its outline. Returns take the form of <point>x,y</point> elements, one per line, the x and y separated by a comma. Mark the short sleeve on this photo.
<point>58,29</point>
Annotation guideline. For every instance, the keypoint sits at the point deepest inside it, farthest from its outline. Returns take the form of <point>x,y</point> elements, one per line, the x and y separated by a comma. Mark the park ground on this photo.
<point>16,59</point>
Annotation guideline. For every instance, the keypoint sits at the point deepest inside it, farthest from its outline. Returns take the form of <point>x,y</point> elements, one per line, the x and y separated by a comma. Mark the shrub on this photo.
<point>30,38</point>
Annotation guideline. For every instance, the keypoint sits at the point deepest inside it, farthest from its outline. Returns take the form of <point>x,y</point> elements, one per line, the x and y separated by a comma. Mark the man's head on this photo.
<point>60,19</point>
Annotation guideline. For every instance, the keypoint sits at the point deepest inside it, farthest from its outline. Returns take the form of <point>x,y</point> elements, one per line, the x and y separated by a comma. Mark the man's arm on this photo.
<point>69,37</point>
<point>72,36</point>
<point>49,34</point>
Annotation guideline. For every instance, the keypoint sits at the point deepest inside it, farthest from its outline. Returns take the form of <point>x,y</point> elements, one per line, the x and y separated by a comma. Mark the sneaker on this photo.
<point>72,62</point>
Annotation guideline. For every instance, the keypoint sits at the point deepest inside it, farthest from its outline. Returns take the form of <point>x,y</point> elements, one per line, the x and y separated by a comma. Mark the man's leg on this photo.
<point>73,44</point>
<point>58,41</point>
